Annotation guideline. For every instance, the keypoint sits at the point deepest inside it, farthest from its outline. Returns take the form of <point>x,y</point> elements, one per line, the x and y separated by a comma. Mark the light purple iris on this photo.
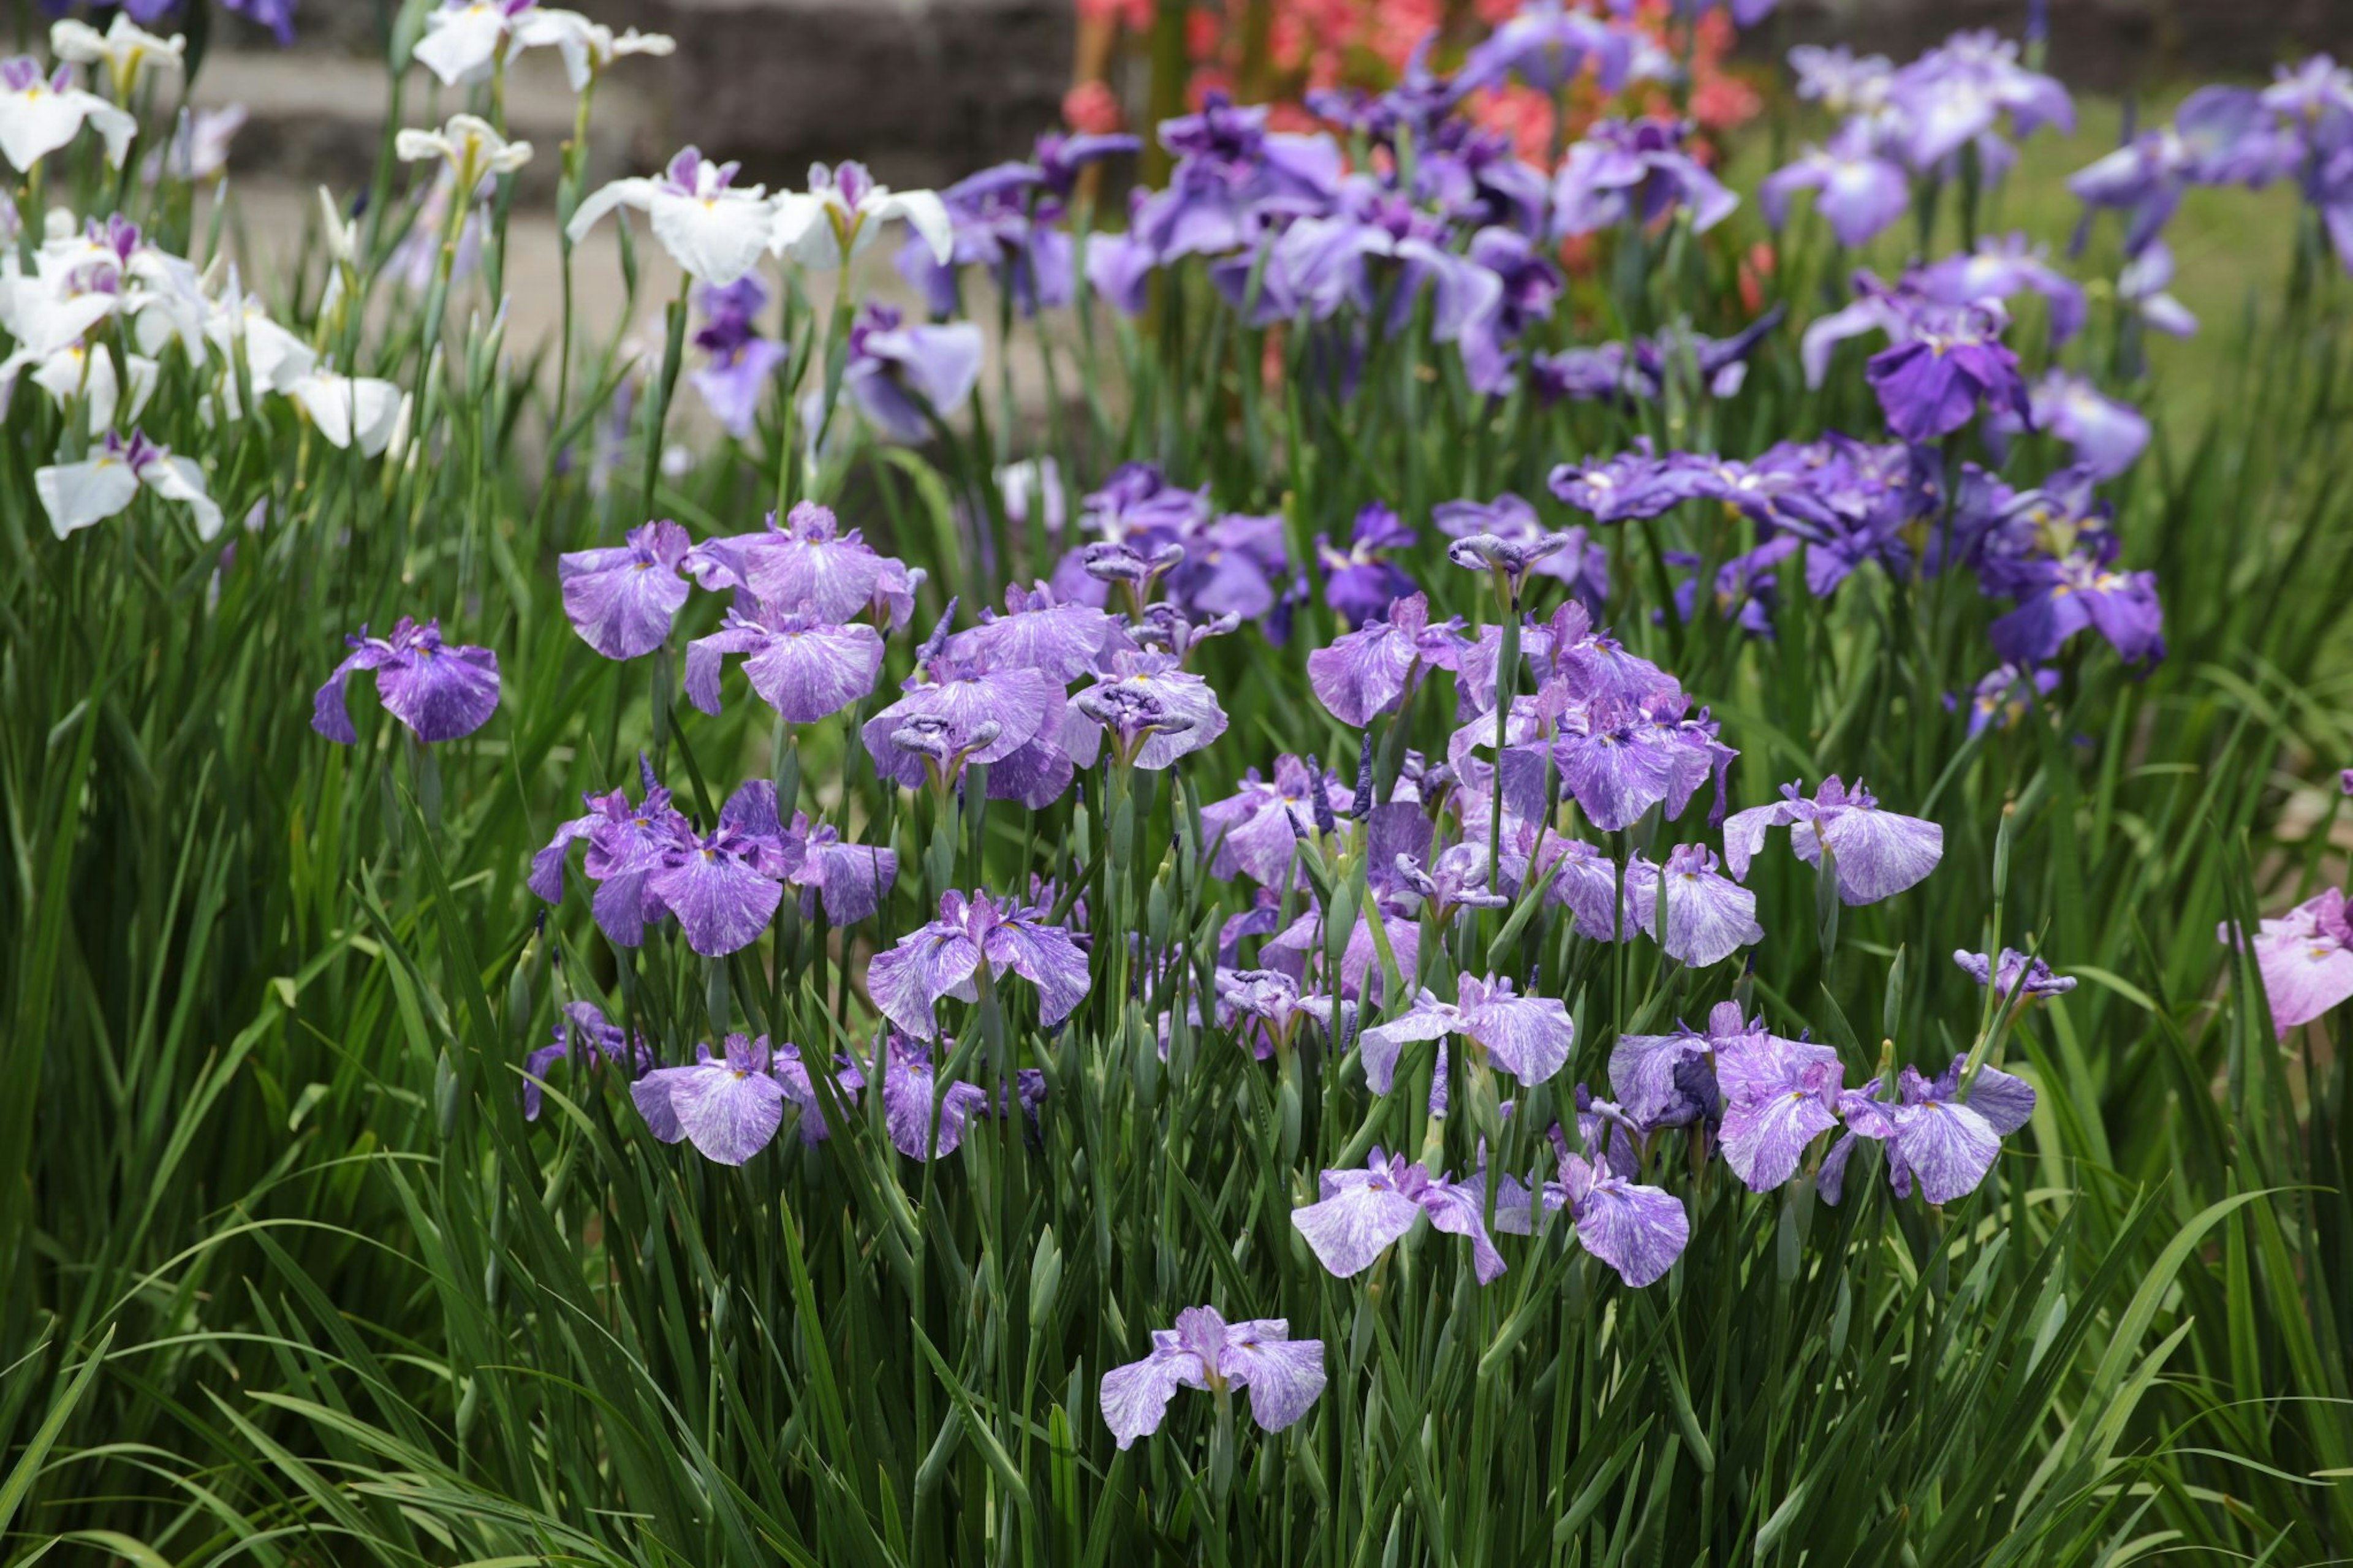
<point>809,564</point>
<point>1566,555</point>
<point>2060,598</point>
<point>1636,170</point>
<point>802,667</point>
<point>443,691</point>
<point>2002,696</point>
<point>2219,135</point>
<point>853,879</point>
<point>945,959</point>
<point>601,1042</point>
<point>725,885</point>
<point>1263,1007</point>
<point>1255,831</point>
<point>2014,973</point>
<point>1548,46</point>
<point>1366,671</point>
<point>2004,267</point>
<point>927,1118</point>
<point>1669,1080</point>
<point>1858,192</point>
<point>1151,712</point>
<point>1229,170</point>
<point>627,844</point>
<point>1937,1138</point>
<point>1930,384</point>
<point>1298,949</point>
<point>742,362</point>
<point>622,598</point>
<point>728,1106</point>
<point>1779,1097</point>
<point>2107,434</point>
<point>1953,95</point>
<point>1633,485</point>
<point>1041,630</point>
<point>2305,958</point>
<point>1283,1376</point>
<point>1523,1037</point>
<point>1360,1214</point>
<point>957,711</point>
<point>1620,759</point>
<point>1874,854</point>
<point>1363,583</point>
<point>1709,917</point>
<point>1639,1231</point>
<point>904,377</point>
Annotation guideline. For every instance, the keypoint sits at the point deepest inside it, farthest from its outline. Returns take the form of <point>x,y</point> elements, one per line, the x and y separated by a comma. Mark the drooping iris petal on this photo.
<point>1284,1376</point>
<point>1944,1146</point>
<point>806,670</point>
<point>623,599</point>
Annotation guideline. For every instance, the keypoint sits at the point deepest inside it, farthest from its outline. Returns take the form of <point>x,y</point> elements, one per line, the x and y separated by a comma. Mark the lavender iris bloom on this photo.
<point>852,877</point>
<point>1366,671</point>
<point>1633,485</point>
<point>802,667</point>
<point>1639,1231</point>
<point>2060,598</point>
<point>725,886</point>
<point>913,1099</point>
<point>1778,1096</point>
<point>1620,758</point>
<point>603,1043</point>
<point>626,845</point>
<point>1709,917</point>
<point>1151,712</point>
<point>2305,958</point>
<point>2219,135</point>
<point>2004,267</point>
<point>742,362</point>
<point>728,1106</point>
<point>1229,168</point>
<point>621,599</point>
<point>1548,48</point>
<point>1858,192</point>
<point>2142,288</point>
<point>1670,1080</point>
<point>2107,434</point>
<point>1283,1376</point>
<point>1041,630</point>
<point>1255,831</point>
<point>945,959</point>
<point>1360,1213</point>
<point>902,377</point>
<point>1635,169</point>
<point>2030,979</point>
<point>1362,583</point>
<point>1007,720</point>
<point>1873,854</point>
<point>1937,1138</point>
<point>810,565</point>
<point>1292,949</point>
<point>1952,95</point>
<point>442,692</point>
<point>1523,1037</point>
<point>1568,556</point>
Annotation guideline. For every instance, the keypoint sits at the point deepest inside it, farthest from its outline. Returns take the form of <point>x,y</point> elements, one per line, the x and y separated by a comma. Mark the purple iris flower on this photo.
<point>1041,630</point>
<point>626,845</point>
<point>1874,854</point>
<point>902,377</point>
<point>2219,135</point>
<point>804,668</point>
<point>1151,712</point>
<point>622,598</point>
<point>2060,598</point>
<point>1458,878</point>
<point>1360,1214</point>
<point>728,1106</point>
<point>2030,979</point>
<point>1586,883</point>
<point>1005,219</point>
<point>1633,485</point>
<point>1283,1376</point>
<point>2001,698</point>
<point>442,692</point>
<point>945,959</point>
<point>1778,1096</point>
<point>1523,1037</point>
<point>1366,671</point>
<point>1230,169</point>
<point>1930,384</point>
<point>1256,830</point>
<point>2142,288</point>
<point>725,885</point>
<point>961,711</point>
<point>852,877</point>
<point>1547,47</point>
<point>1639,1231</point>
<point>1363,583</point>
<point>1620,758</point>
<point>2004,267</point>
<point>1232,567</point>
<point>1859,192</point>
<point>1636,170</point>
<point>742,362</point>
<point>912,1095</point>
<point>1742,593</point>
<point>1709,917</point>
<point>2107,434</point>
<point>809,564</point>
<point>1953,95</point>
<point>2305,959</point>
<point>601,1041</point>
<point>1670,1080</point>
<point>1263,1005</point>
<point>1298,949</point>
<point>1941,1139</point>
<point>1568,556</point>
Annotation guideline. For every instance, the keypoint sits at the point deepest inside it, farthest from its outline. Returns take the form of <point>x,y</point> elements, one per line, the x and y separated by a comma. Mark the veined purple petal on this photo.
<point>905,982</point>
<point>1284,1376</point>
<point>1765,1135</point>
<point>1945,1147</point>
<point>622,600</point>
<point>1527,1038</point>
<point>722,900</point>
<point>1134,1398</point>
<point>1045,956</point>
<point>1878,854</point>
<point>728,1113</point>
<point>1454,1207</point>
<point>1426,1019</point>
<point>1356,1224</point>
<point>1639,1231</point>
<point>652,1096</point>
<point>805,670</point>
